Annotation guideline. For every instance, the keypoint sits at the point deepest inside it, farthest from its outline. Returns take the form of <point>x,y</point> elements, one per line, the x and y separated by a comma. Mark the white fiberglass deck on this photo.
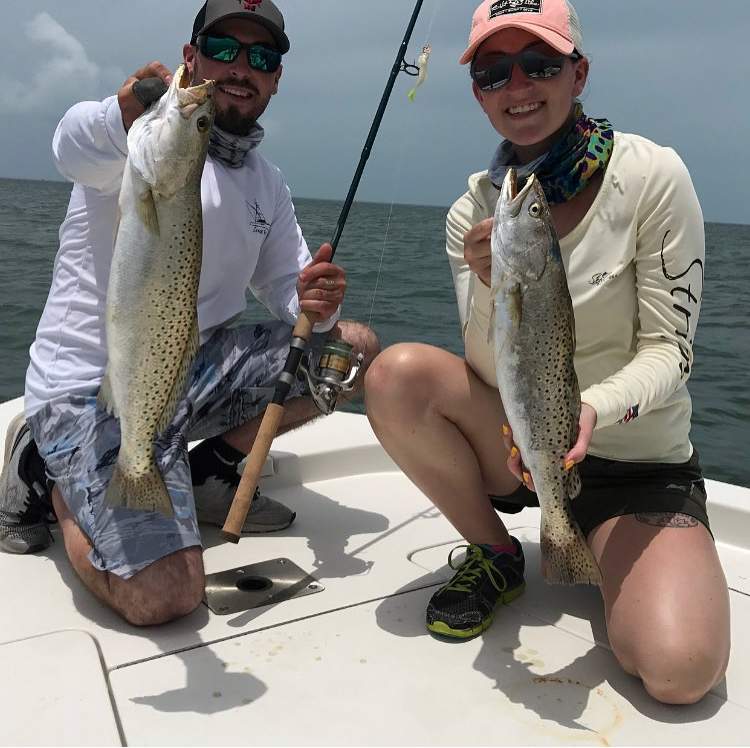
<point>352,664</point>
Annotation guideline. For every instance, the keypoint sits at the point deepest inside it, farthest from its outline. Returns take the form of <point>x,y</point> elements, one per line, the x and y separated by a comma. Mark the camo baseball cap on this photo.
<point>263,12</point>
<point>553,21</point>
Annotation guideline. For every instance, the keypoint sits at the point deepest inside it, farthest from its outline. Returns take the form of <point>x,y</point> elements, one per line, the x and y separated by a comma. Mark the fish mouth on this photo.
<point>509,194</point>
<point>189,98</point>
<point>198,93</point>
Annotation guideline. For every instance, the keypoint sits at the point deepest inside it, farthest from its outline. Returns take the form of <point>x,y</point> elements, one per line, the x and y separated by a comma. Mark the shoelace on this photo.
<point>471,569</point>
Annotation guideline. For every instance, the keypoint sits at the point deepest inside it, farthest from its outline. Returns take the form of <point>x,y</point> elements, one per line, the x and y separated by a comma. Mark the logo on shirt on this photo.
<point>598,278</point>
<point>258,222</point>
<point>505,7</point>
<point>631,414</point>
<point>687,300</point>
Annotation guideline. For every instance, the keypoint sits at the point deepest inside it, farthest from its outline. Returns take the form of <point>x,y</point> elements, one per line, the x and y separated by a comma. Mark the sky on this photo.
<point>674,71</point>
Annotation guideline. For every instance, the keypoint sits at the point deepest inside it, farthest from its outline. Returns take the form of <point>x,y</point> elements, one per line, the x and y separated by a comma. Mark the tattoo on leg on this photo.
<point>667,519</point>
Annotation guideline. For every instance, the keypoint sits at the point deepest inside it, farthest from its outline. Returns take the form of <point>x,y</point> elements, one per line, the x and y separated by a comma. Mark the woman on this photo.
<point>631,236</point>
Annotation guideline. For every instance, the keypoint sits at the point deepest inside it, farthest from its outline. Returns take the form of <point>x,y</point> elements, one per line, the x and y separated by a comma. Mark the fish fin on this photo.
<point>178,388</point>
<point>105,398</point>
<point>147,492</point>
<point>491,325</point>
<point>513,304</point>
<point>146,208</point>
<point>567,559</point>
<point>118,219</point>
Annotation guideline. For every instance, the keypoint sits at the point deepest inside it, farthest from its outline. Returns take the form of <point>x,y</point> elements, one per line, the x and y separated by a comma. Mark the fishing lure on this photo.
<point>422,75</point>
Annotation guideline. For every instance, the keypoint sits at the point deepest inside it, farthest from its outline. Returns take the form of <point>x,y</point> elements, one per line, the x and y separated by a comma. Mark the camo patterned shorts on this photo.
<point>231,382</point>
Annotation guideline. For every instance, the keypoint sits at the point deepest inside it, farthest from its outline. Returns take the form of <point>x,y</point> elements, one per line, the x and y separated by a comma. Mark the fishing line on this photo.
<point>323,390</point>
<point>397,180</point>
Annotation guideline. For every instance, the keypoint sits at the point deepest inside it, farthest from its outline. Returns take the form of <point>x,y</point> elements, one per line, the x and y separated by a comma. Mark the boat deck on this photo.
<point>353,663</point>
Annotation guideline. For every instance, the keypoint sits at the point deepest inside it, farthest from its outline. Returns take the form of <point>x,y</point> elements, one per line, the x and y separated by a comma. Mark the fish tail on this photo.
<point>568,559</point>
<point>412,94</point>
<point>144,492</point>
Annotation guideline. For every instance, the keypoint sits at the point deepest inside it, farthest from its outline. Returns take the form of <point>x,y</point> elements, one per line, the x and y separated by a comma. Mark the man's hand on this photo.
<point>321,285</point>
<point>478,250</point>
<point>130,106</point>
<point>586,424</point>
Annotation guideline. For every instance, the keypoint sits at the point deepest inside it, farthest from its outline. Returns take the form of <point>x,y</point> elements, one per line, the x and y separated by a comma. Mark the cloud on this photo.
<point>66,75</point>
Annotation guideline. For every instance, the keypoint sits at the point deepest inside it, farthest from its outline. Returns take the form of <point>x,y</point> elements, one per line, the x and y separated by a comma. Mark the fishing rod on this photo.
<point>335,375</point>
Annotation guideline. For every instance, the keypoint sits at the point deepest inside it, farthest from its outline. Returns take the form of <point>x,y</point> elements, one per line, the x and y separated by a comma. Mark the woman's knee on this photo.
<point>168,589</point>
<point>674,672</point>
<point>395,375</point>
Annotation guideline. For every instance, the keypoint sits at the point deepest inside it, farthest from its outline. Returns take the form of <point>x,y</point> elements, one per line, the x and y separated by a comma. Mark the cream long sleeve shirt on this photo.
<point>634,266</point>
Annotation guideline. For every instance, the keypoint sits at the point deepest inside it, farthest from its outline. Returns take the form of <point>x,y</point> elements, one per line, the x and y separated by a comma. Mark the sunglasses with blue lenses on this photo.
<point>493,72</point>
<point>227,49</point>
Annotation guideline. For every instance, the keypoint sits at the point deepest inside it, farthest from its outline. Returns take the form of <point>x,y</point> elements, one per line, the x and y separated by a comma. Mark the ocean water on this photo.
<point>399,281</point>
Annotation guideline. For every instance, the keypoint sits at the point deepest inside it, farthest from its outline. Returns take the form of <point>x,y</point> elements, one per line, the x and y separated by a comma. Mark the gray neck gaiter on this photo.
<point>232,149</point>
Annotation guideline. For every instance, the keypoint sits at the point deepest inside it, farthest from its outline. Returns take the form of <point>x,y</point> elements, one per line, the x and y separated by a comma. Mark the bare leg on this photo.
<point>168,589</point>
<point>666,603</point>
<point>442,426</point>
<point>302,410</point>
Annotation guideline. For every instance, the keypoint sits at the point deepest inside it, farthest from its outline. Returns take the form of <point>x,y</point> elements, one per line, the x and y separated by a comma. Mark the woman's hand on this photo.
<point>478,250</point>
<point>321,285</point>
<point>586,425</point>
<point>130,105</point>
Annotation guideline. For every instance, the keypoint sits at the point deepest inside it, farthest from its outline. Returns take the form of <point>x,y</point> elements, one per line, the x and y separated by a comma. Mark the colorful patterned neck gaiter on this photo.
<point>569,165</point>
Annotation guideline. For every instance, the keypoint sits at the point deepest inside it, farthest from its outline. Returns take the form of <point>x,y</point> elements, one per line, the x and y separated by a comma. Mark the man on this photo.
<point>144,565</point>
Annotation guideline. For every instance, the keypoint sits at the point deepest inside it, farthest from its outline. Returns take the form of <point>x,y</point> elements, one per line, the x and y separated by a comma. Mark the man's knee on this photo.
<point>362,338</point>
<point>168,589</point>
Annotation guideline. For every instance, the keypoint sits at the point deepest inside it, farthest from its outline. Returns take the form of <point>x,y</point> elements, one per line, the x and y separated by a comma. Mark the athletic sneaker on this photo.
<point>25,508</point>
<point>214,497</point>
<point>215,477</point>
<point>465,606</point>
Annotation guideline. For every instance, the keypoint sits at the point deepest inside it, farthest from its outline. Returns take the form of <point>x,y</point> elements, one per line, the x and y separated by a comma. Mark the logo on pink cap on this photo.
<point>553,21</point>
<point>251,4</point>
<point>503,7</point>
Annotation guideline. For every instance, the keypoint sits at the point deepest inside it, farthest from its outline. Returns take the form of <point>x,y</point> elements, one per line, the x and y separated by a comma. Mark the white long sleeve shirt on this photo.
<point>634,266</point>
<point>251,239</point>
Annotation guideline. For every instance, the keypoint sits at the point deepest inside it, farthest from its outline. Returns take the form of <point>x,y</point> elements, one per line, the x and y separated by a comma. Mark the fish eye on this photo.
<point>202,123</point>
<point>535,210</point>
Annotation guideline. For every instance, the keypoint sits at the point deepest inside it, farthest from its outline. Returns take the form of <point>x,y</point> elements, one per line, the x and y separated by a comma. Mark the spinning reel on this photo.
<point>335,372</point>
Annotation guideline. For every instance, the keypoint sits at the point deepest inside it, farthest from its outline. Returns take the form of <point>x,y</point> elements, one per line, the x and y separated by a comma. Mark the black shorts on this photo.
<point>613,489</point>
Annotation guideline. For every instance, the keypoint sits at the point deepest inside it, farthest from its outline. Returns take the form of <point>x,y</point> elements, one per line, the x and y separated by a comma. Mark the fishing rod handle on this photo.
<point>272,418</point>
<point>243,498</point>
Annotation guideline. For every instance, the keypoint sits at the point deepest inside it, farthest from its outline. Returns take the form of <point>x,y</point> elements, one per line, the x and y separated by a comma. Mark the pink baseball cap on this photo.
<point>553,21</point>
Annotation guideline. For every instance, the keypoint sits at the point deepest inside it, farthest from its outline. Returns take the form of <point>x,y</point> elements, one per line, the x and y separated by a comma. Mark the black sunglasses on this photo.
<point>227,49</point>
<point>494,72</point>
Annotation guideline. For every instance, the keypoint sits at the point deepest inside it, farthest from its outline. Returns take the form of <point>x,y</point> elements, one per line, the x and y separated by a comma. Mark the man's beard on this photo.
<point>232,121</point>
